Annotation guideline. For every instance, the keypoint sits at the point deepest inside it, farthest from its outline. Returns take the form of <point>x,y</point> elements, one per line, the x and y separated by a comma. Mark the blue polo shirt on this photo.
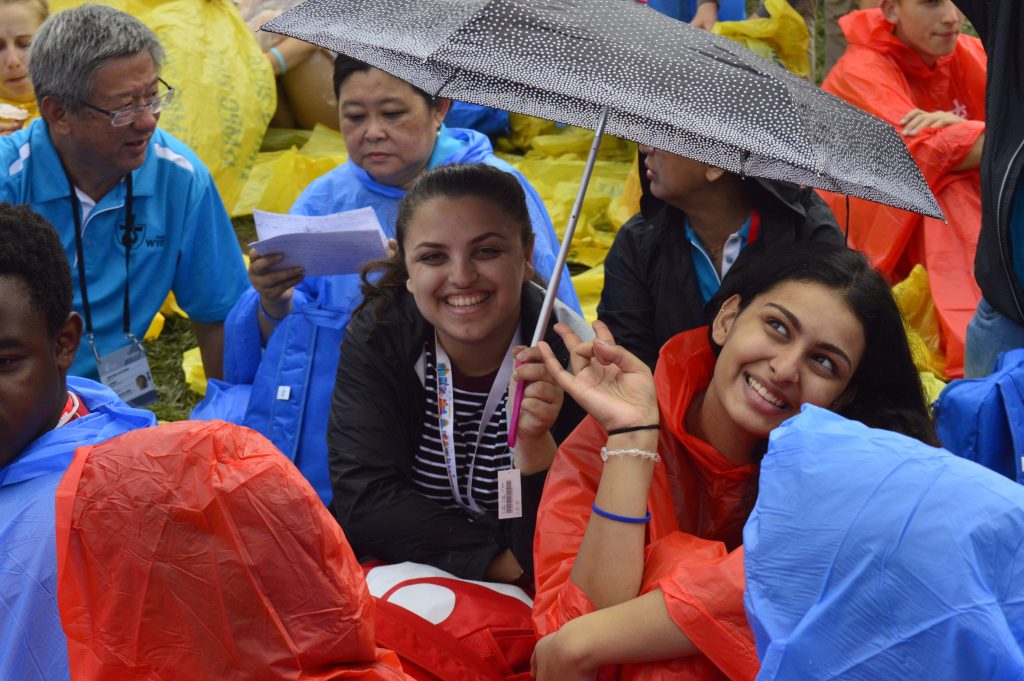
<point>708,279</point>
<point>183,239</point>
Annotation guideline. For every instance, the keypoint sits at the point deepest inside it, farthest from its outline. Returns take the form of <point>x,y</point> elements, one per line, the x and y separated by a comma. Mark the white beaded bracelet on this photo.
<point>641,453</point>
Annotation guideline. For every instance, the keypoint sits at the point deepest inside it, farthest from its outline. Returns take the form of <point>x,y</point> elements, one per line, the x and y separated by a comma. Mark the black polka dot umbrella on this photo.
<point>664,84</point>
<point>620,67</point>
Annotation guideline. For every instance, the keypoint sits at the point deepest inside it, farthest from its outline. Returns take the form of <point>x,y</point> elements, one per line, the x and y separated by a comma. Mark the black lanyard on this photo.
<point>126,241</point>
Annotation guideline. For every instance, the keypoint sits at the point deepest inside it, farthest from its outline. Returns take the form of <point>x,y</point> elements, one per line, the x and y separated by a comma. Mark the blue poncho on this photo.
<point>32,644</point>
<point>870,555</point>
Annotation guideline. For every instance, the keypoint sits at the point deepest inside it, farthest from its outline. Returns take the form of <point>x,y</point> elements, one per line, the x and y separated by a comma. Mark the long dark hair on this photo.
<point>384,280</point>
<point>886,386</point>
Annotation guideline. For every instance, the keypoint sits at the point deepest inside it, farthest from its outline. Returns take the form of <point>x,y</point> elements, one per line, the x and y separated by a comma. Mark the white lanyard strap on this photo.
<point>446,418</point>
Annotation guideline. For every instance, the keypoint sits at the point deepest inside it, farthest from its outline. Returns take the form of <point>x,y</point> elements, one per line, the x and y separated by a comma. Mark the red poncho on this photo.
<point>699,502</point>
<point>197,551</point>
<point>883,76</point>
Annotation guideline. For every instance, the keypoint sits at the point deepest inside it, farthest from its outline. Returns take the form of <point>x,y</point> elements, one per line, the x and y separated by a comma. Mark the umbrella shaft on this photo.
<point>570,229</point>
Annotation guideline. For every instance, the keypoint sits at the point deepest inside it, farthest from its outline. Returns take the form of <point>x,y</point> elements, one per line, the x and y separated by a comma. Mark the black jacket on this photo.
<point>650,287</point>
<point>375,426</point>
<point>1000,24</point>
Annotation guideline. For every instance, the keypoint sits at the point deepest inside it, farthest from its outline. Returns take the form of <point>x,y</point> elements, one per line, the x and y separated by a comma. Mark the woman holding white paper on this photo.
<point>419,428</point>
<point>282,337</point>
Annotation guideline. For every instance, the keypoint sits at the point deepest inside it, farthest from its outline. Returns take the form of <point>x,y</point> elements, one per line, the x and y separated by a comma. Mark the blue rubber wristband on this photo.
<point>267,314</point>
<point>280,59</point>
<point>620,518</point>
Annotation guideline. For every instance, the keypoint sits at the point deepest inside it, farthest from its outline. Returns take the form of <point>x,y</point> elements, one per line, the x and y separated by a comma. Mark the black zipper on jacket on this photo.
<point>1003,240</point>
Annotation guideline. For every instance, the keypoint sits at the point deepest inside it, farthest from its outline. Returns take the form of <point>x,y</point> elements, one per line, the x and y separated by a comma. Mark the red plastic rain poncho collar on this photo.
<point>699,502</point>
<point>872,30</point>
<point>197,551</point>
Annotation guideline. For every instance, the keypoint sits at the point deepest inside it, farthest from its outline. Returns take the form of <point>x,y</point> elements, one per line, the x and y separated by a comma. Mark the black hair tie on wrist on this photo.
<point>631,429</point>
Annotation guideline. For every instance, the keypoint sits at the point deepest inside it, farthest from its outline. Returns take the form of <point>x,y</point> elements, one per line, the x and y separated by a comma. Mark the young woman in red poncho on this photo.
<point>638,552</point>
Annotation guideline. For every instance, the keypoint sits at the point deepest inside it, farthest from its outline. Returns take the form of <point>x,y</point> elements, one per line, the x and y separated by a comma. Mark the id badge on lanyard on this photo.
<point>509,485</point>
<point>125,370</point>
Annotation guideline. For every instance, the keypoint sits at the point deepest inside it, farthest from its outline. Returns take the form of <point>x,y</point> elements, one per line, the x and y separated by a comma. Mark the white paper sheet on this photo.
<point>322,245</point>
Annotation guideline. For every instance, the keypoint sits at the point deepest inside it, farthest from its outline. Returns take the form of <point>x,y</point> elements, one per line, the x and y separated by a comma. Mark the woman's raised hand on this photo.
<point>542,402</point>
<point>542,398</point>
<point>274,286</point>
<point>615,387</point>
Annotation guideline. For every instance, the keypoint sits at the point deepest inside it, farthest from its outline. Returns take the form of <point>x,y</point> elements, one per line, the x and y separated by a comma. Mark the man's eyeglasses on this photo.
<point>130,114</point>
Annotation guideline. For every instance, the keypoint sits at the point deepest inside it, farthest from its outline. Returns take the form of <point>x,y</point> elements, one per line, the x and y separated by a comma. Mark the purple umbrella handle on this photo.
<point>556,274</point>
<point>517,403</point>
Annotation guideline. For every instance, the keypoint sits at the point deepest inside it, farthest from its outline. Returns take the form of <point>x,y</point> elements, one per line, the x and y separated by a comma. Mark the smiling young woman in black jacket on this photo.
<point>455,301</point>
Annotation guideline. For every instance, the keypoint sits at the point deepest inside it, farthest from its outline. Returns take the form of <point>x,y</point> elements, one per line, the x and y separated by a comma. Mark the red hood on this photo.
<point>869,28</point>
<point>684,370</point>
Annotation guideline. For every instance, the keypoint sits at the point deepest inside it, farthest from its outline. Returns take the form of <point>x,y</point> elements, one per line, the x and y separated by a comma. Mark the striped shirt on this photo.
<point>430,474</point>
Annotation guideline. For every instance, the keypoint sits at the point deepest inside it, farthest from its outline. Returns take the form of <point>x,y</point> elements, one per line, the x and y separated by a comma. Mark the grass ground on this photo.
<point>175,398</point>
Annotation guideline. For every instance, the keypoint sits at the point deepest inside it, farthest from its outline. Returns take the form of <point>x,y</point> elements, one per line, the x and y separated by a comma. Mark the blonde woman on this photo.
<point>19,20</point>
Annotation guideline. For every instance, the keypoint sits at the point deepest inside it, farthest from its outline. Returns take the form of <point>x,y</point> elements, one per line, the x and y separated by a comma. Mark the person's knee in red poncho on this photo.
<point>638,552</point>
<point>908,63</point>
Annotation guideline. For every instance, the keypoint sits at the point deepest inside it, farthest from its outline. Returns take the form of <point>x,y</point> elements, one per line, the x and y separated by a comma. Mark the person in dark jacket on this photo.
<point>998,323</point>
<point>418,433</point>
<point>695,222</point>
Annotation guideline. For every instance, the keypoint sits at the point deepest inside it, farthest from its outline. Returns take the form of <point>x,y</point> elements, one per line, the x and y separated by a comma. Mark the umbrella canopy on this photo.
<point>663,83</point>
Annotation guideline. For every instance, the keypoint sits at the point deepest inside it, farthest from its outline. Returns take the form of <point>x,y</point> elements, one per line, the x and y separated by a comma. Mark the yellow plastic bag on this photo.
<point>628,204</point>
<point>783,38</point>
<point>558,180</point>
<point>224,86</point>
<point>170,308</point>
<point>932,386</point>
<point>195,374</point>
<point>156,327</point>
<point>522,130</point>
<point>280,176</point>
<point>539,138</point>
<point>588,287</point>
<point>913,295</point>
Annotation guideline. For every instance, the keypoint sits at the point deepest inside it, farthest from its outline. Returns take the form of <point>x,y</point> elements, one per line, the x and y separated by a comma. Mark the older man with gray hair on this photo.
<point>137,212</point>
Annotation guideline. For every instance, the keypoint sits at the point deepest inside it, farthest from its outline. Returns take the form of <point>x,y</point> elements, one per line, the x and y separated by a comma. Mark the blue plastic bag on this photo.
<point>982,419</point>
<point>728,10</point>
<point>485,119</point>
<point>870,555</point>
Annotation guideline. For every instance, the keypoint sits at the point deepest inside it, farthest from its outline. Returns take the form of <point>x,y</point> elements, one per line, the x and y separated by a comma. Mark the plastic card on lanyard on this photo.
<point>446,419</point>
<point>126,369</point>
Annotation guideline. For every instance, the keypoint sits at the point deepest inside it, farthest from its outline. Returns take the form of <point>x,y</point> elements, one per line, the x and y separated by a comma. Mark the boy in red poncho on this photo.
<point>908,64</point>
